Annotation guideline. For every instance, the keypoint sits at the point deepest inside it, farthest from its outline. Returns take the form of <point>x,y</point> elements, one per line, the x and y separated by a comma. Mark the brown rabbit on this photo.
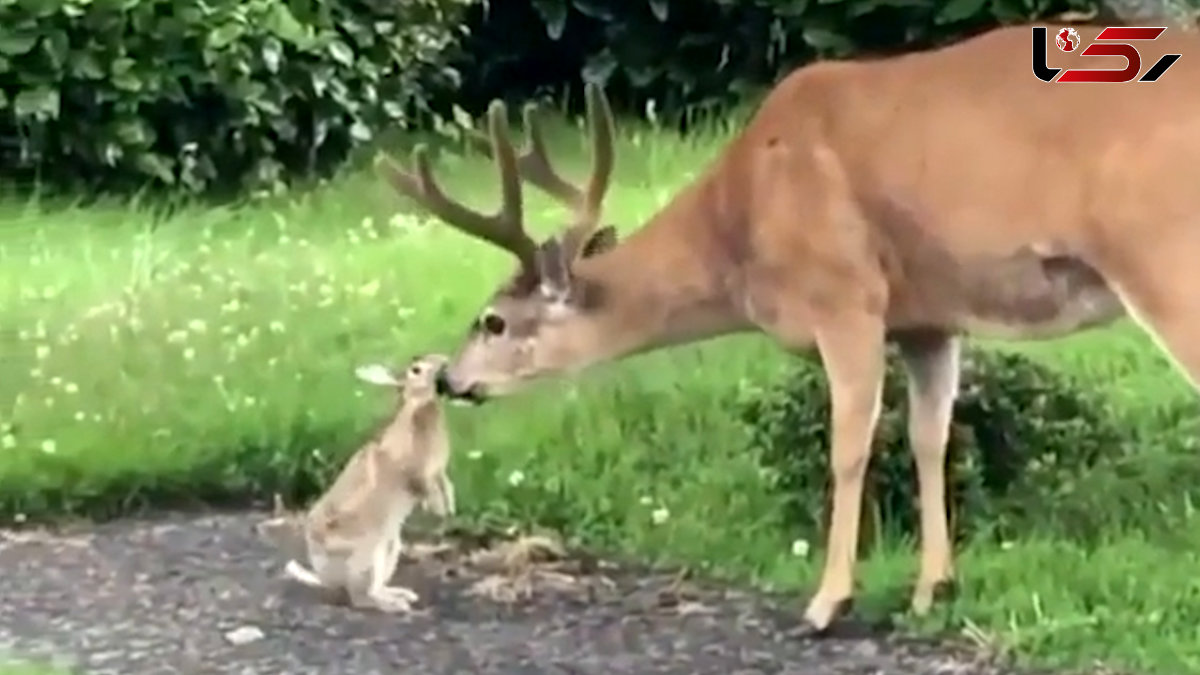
<point>351,534</point>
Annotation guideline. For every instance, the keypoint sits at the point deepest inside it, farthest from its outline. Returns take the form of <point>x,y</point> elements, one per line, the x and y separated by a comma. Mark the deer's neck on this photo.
<point>662,286</point>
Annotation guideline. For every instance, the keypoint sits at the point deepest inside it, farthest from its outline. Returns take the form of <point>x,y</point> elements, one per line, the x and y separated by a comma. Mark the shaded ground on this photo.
<point>201,594</point>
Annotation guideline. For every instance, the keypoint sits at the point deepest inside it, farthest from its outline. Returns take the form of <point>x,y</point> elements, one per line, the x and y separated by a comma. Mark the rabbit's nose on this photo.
<point>441,382</point>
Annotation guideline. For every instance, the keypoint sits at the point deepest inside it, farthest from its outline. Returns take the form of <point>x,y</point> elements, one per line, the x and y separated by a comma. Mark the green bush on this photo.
<point>210,93</point>
<point>687,54</point>
<point>1023,435</point>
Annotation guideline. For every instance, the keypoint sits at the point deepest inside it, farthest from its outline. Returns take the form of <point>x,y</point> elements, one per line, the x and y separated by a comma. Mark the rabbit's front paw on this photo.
<point>394,599</point>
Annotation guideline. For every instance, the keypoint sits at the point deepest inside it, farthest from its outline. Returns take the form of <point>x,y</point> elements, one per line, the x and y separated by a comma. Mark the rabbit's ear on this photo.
<point>377,374</point>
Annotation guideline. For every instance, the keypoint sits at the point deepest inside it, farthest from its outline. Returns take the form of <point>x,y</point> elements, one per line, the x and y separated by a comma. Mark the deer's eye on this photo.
<point>492,324</point>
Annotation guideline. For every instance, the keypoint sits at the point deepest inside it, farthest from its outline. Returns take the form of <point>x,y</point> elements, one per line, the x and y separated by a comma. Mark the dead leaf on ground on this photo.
<point>501,588</point>
<point>689,607</point>
<point>678,592</point>
<point>41,536</point>
<point>419,551</point>
<point>516,555</point>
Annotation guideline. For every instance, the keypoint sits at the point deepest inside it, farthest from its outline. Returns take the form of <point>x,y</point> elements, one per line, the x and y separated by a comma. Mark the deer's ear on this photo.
<point>554,269</point>
<point>602,240</point>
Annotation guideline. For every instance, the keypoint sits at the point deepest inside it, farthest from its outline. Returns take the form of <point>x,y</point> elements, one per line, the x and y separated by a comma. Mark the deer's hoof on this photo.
<point>926,595</point>
<point>822,616</point>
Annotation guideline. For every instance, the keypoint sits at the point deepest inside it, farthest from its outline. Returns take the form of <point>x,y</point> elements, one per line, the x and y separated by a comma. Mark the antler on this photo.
<point>534,166</point>
<point>505,228</point>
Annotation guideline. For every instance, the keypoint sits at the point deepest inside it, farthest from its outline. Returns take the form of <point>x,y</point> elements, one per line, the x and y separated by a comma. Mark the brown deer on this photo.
<point>913,198</point>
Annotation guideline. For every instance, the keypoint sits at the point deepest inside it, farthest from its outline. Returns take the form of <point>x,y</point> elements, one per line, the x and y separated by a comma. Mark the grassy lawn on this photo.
<point>13,667</point>
<point>208,354</point>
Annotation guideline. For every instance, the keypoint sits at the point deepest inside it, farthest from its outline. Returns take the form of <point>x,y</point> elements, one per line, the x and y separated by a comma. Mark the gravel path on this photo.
<point>199,594</point>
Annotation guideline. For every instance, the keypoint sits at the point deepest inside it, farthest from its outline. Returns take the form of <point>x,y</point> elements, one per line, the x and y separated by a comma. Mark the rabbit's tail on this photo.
<point>300,573</point>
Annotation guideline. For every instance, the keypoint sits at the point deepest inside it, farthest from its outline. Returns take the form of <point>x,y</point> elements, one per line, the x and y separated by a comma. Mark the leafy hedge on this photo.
<point>1023,439</point>
<point>210,93</point>
<point>688,54</point>
<point>205,94</point>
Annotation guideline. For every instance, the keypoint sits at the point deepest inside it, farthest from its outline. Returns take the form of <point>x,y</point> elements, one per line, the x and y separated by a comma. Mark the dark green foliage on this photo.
<point>689,54</point>
<point>224,94</point>
<point>1023,435</point>
<point>209,93</point>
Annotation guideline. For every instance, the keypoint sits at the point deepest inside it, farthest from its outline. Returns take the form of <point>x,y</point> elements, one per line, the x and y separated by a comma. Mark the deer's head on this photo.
<point>545,318</point>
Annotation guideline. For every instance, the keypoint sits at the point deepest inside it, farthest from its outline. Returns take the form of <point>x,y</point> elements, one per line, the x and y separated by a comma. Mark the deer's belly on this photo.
<point>1033,296</point>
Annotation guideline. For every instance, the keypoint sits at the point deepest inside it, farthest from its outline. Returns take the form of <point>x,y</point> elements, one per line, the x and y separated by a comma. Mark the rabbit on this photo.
<point>351,534</point>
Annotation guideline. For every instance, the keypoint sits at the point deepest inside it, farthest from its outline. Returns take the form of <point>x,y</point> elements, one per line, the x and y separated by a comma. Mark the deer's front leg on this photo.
<point>852,350</point>
<point>932,364</point>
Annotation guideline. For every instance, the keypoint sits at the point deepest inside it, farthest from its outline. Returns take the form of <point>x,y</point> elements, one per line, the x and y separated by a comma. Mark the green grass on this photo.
<point>18,667</point>
<point>208,355</point>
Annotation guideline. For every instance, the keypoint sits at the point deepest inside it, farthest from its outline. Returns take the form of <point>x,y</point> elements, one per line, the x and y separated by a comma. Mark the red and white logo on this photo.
<point>1110,41</point>
<point>1067,39</point>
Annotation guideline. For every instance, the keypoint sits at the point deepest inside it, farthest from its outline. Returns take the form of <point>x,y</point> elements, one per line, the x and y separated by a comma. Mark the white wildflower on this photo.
<point>369,289</point>
<point>800,548</point>
<point>660,515</point>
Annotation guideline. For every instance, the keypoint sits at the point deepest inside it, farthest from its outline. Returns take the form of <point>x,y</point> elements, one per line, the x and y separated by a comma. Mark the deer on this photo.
<point>907,201</point>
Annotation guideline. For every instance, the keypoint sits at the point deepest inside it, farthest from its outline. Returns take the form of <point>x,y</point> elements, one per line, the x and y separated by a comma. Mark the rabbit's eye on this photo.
<point>415,370</point>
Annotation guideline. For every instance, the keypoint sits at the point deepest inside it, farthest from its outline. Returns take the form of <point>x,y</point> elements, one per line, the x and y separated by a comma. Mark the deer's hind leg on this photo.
<point>1159,284</point>
<point>1145,238</point>
<point>932,364</point>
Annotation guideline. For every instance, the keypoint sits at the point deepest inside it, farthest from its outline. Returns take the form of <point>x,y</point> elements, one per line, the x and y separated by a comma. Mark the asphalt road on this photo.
<point>200,594</point>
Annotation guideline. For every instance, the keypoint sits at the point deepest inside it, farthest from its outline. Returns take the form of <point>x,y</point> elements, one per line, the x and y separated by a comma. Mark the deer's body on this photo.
<point>912,198</point>
<point>351,535</point>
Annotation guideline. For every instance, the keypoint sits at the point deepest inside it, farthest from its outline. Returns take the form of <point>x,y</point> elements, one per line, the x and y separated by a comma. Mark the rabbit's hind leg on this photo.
<point>369,588</point>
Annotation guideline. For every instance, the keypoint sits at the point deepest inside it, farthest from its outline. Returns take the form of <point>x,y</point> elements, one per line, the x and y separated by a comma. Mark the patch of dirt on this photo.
<point>201,594</point>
